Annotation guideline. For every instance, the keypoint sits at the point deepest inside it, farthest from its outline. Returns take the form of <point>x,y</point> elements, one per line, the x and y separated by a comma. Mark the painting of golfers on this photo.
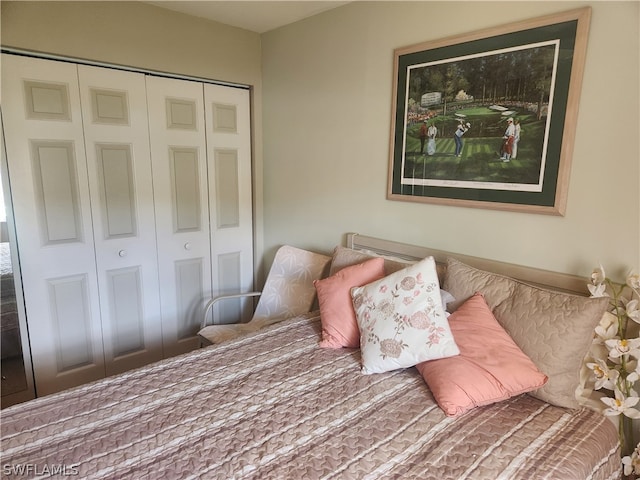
<point>481,120</point>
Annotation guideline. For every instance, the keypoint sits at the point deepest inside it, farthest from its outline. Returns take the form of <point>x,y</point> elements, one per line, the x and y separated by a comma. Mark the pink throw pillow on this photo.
<point>338,318</point>
<point>490,367</point>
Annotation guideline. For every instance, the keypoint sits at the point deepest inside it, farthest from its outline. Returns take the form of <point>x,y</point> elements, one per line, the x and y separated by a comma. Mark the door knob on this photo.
<point>122,253</point>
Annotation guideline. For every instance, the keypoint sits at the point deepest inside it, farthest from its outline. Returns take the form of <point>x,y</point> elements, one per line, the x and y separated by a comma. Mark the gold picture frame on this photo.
<point>512,87</point>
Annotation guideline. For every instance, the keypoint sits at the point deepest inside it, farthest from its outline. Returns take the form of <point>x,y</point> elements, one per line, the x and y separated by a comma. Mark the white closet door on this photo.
<point>47,170</point>
<point>229,158</point>
<point>178,152</point>
<point>114,107</point>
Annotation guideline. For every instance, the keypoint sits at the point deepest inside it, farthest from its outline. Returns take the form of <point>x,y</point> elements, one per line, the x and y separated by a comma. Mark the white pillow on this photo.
<point>401,319</point>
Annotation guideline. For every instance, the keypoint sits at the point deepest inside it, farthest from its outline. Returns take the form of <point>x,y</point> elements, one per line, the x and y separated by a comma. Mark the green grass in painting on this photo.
<point>480,160</point>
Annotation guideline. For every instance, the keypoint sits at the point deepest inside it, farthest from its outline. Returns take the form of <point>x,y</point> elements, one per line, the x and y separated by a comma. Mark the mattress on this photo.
<point>273,405</point>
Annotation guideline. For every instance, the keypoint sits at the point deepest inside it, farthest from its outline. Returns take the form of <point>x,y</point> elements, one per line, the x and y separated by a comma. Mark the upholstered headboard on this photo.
<point>544,278</point>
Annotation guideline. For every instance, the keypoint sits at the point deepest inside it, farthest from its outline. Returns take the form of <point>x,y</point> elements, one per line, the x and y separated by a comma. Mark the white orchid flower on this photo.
<point>598,276</point>
<point>632,463</point>
<point>607,329</point>
<point>621,405</point>
<point>597,290</point>
<point>615,357</point>
<point>620,347</point>
<point>633,372</point>
<point>597,287</point>
<point>632,310</point>
<point>605,377</point>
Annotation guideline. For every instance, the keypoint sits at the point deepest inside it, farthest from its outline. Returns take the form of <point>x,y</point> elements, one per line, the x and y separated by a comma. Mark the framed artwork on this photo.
<point>487,119</point>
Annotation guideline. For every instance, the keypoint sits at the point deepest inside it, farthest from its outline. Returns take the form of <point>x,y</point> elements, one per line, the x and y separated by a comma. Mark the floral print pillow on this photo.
<point>401,319</point>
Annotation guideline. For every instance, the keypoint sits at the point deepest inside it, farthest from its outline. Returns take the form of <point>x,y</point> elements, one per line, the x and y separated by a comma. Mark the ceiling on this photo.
<point>257,16</point>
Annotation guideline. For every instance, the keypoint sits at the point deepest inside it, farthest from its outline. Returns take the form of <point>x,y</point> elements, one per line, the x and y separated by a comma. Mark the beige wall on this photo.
<point>327,85</point>
<point>147,37</point>
<point>327,97</point>
<point>135,34</point>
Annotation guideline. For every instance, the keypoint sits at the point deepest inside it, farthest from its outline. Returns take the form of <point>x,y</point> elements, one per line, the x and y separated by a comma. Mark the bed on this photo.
<point>273,405</point>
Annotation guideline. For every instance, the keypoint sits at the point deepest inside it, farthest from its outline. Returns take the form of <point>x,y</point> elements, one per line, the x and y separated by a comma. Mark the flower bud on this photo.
<point>598,276</point>
<point>633,281</point>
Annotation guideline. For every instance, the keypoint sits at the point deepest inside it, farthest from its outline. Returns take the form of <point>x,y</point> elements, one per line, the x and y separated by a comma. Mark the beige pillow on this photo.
<point>345,257</point>
<point>553,329</point>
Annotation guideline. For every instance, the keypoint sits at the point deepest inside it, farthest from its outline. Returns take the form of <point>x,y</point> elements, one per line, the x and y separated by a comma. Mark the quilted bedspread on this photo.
<point>273,405</point>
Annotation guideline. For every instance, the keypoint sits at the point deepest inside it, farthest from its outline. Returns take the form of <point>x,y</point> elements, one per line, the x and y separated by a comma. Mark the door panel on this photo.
<point>176,121</point>
<point>49,181</point>
<point>186,197</point>
<point>227,200</point>
<point>189,287</point>
<point>69,309</point>
<point>56,188</point>
<point>231,208</point>
<point>119,165</point>
<point>117,190</point>
<point>126,306</point>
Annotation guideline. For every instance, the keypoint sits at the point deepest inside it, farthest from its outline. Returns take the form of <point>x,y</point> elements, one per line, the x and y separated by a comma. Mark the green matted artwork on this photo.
<point>487,119</point>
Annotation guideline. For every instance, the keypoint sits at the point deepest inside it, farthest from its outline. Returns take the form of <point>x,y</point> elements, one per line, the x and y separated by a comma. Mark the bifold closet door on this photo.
<point>133,206</point>
<point>114,107</point>
<point>230,201</point>
<point>179,156</point>
<point>44,139</point>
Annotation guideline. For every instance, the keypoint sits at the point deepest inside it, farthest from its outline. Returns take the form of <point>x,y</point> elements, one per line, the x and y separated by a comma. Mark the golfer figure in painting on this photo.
<point>516,138</point>
<point>423,135</point>
<point>457,136</point>
<point>508,137</point>
<point>432,131</point>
